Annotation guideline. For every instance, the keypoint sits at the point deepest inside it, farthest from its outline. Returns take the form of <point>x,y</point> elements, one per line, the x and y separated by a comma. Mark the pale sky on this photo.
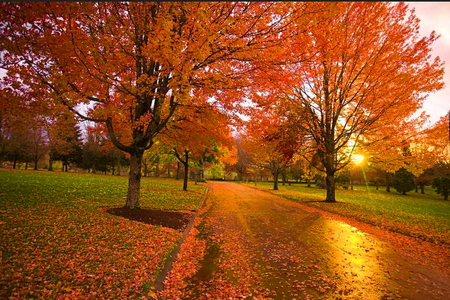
<point>436,16</point>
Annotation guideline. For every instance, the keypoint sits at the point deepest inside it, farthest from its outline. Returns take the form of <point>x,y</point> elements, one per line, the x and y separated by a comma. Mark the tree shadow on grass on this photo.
<point>171,219</point>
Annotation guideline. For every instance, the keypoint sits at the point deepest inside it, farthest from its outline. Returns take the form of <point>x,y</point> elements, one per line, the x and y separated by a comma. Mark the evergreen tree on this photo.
<point>403,181</point>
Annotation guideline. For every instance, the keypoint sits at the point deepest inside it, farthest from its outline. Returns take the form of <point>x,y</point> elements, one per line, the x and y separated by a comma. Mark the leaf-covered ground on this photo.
<point>423,216</point>
<point>250,244</point>
<point>58,242</point>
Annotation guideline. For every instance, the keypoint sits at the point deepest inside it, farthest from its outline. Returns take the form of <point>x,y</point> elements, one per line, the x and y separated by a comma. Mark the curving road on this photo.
<point>261,246</point>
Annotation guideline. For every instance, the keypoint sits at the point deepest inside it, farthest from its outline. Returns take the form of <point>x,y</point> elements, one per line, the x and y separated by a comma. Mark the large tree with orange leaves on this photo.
<point>366,69</point>
<point>133,64</point>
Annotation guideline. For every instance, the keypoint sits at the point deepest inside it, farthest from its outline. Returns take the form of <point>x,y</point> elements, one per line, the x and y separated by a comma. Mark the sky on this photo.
<point>436,16</point>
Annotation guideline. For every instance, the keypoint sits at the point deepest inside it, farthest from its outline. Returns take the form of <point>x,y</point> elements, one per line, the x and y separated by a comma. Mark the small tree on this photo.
<point>442,185</point>
<point>403,181</point>
<point>424,179</point>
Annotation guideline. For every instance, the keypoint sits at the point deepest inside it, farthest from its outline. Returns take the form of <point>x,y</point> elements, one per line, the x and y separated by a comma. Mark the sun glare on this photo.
<point>357,158</point>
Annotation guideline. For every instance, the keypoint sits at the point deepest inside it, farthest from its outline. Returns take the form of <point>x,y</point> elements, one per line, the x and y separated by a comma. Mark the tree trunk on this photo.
<point>134,180</point>
<point>308,182</point>
<point>351,180</point>
<point>422,189</point>
<point>404,193</point>
<point>178,171</point>
<point>157,170</point>
<point>388,183</point>
<point>35,165</point>
<point>145,169</point>
<point>331,192</point>
<point>186,170</point>
<point>26,165</point>
<point>50,163</point>
<point>417,188</point>
<point>275,181</point>
<point>119,165</point>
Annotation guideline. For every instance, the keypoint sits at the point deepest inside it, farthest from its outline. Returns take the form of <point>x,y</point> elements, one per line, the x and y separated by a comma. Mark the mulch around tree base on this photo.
<point>172,219</point>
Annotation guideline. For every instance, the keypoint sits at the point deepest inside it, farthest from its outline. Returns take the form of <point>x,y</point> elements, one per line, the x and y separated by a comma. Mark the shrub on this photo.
<point>403,181</point>
<point>442,185</point>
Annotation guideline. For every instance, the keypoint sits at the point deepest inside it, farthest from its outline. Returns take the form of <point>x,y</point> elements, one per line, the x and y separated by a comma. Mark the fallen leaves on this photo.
<point>55,246</point>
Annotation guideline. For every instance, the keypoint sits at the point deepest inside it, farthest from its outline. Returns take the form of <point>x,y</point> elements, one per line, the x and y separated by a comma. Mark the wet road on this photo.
<point>261,246</point>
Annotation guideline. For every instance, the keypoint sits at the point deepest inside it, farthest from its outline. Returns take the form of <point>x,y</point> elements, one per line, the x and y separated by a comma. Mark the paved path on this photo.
<point>261,245</point>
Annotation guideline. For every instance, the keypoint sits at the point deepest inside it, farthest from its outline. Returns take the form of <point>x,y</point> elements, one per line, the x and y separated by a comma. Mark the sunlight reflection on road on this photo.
<point>270,247</point>
<point>355,256</point>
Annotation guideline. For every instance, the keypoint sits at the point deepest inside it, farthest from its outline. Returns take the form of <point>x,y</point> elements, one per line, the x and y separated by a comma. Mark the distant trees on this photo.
<point>441,181</point>
<point>403,181</point>
<point>442,185</point>
<point>272,142</point>
<point>66,140</point>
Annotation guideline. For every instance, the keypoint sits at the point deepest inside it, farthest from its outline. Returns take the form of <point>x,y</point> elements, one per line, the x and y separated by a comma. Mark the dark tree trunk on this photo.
<point>35,165</point>
<point>14,163</point>
<point>351,180</point>
<point>119,165</point>
<point>157,170</point>
<point>186,170</point>
<point>422,188</point>
<point>331,192</point>
<point>417,188</point>
<point>275,181</point>
<point>26,165</point>
<point>134,180</point>
<point>178,171</point>
<point>308,182</point>
<point>50,163</point>
<point>284,178</point>
<point>145,169</point>
<point>388,183</point>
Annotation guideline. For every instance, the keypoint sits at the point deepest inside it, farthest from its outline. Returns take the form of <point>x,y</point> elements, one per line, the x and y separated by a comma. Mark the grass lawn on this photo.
<point>424,216</point>
<point>57,243</point>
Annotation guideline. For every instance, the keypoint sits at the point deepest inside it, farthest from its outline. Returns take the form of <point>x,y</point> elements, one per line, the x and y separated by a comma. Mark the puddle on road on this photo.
<point>355,258</point>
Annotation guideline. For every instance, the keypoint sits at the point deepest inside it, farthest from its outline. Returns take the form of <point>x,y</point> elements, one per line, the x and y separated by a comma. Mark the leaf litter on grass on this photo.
<point>57,244</point>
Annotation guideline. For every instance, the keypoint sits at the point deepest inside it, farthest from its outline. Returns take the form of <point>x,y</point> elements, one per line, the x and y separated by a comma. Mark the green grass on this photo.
<point>56,243</point>
<point>424,216</point>
<point>25,189</point>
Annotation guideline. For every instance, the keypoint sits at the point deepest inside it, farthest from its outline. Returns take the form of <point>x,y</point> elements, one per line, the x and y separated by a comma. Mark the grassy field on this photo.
<point>424,216</point>
<point>57,243</point>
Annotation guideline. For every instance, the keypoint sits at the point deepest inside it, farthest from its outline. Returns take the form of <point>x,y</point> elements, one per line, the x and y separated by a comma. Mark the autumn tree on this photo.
<point>38,145</point>
<point>272,141</point>
<point>365,69</point>
<point>136,63</point>
<point>66,140</point>
<point>196,137</point>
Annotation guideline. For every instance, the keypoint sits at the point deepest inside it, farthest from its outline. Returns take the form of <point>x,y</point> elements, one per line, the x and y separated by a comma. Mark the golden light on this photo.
<point>357,158</point>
